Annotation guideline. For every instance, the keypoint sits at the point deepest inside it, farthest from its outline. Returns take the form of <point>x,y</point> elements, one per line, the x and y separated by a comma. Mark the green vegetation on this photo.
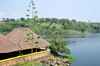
<point>36,42</point>
<point>26,30</point>
<point>29,38</point>
<point>31,22</point>
<point>26,40</point>
<point>37,45</point>
<point>50,26</point>
<point>58,45</point>
<point>70,58</point>
<point>29,43</point>
<point>54,57</point>
<point>39,36</point>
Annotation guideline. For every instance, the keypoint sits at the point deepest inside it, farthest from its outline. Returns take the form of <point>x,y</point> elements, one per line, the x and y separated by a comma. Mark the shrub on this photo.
<point>27,59</point>
<point>24,60</point>
<point>70,58</point>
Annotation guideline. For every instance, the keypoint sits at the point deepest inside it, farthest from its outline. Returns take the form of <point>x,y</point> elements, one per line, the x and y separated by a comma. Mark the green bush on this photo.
<point>27,59</point>
<point>70,58</point>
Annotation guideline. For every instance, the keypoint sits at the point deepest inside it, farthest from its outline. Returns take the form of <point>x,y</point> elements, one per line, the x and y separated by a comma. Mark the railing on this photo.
<point>23,56</point>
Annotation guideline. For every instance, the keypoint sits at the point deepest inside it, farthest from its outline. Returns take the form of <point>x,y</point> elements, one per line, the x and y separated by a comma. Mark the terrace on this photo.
<point>14,49</point>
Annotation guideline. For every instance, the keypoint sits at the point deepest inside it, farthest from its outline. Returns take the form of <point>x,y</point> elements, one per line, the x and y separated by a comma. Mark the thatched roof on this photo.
<point>19,35</point>
<point>7,45</point>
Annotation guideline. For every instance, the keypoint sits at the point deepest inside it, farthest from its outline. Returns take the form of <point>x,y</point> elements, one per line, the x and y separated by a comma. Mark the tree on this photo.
<point>31,21</point>
<point>58,45</point>
<point>22,19</point>
<point>73,20</point>
<point>83,29</point>
<point>12,20</point>
<point>48,31</point>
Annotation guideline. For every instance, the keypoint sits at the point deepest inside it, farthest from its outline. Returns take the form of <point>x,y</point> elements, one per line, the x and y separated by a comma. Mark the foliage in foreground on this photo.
<point>58,45</point>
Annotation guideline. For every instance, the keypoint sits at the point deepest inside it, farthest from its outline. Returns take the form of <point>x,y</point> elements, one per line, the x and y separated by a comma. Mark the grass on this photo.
<point>29,64</point>
<point>58,26</point>
<point>54,57</point>
<point>70,58</point>
<point>2,22</point>
<point>82,32</point>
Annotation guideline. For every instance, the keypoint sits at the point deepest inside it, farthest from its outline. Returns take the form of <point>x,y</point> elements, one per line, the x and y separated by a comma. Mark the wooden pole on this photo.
<point>36,49</point>
<point>19,53</point>
<point>46,47</point>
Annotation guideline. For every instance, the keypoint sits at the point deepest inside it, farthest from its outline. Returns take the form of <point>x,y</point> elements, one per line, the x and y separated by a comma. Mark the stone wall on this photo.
<point>24,58</point>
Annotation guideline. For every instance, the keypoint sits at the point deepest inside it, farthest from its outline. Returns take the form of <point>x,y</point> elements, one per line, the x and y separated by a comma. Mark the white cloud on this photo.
<point>14,13</point>
<point>1,14</point>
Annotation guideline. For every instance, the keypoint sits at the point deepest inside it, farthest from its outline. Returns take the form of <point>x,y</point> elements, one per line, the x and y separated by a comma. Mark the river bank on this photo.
<point>54,57</point>
<point>84,47</point>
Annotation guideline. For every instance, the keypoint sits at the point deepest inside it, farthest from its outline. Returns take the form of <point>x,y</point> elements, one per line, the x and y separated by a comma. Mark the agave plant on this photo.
<point>31,5</point>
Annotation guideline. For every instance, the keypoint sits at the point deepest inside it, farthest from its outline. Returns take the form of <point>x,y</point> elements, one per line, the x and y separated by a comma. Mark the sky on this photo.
<point>81,10</point>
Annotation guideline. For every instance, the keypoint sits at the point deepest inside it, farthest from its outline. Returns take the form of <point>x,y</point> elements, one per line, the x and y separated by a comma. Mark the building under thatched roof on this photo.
<point>7,45</point>
<point>14,48</point>
<point>19,35</point>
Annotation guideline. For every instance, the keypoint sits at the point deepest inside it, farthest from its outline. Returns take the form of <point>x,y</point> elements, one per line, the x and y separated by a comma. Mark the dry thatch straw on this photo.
<point>7,45</point>
<point>19,35</point>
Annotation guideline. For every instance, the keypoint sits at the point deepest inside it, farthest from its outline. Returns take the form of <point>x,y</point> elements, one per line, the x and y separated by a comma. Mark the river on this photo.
<point>84,47</point>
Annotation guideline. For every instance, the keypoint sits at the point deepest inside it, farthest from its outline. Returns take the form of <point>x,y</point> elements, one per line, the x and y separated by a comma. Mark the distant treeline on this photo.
<point>50,26</point>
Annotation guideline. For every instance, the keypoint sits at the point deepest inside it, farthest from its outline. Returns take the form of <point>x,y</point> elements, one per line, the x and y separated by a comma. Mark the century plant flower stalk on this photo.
<point>29,38</point>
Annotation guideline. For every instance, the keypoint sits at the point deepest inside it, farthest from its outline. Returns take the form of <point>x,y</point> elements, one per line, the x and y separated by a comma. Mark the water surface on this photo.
<point>85,47</point>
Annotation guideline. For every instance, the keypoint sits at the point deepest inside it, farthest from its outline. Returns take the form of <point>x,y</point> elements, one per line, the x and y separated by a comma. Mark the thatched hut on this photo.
<point>19,35</point>
<point>7,46</point>
<point>15,43</point>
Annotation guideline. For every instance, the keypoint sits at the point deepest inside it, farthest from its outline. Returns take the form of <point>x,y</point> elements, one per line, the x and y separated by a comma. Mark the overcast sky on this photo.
<point>81,10</point>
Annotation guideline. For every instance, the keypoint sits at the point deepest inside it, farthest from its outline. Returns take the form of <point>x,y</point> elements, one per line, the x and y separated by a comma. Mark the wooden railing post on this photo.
<point>36,49</point>
<point>46,47</point>
<point>19,52</point>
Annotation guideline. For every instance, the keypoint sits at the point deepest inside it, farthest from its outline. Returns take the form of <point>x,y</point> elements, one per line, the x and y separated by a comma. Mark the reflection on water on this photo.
<point>85,47</point>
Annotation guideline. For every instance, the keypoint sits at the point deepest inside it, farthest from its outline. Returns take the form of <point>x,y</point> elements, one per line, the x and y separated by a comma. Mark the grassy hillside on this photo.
<point>2,22</point>
<point>58,26</point>
<point>52,26</point>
